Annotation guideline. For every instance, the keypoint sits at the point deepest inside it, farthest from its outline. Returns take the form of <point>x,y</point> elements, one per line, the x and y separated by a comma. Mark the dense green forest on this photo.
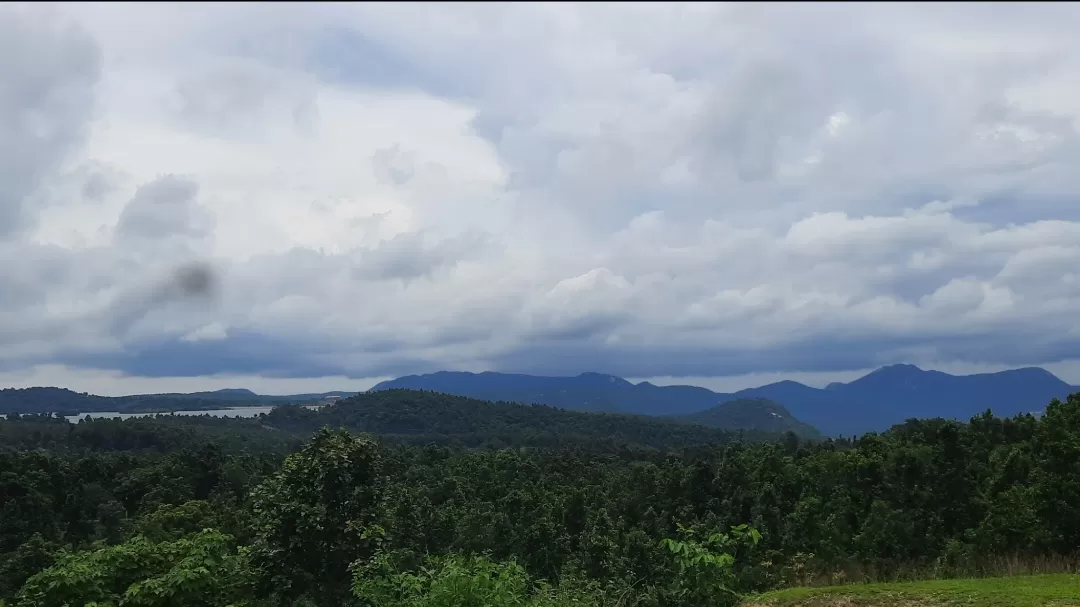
<point>420,417</point>
<point>752,414</point>
<point>759,415</point>
<point>424,499</point>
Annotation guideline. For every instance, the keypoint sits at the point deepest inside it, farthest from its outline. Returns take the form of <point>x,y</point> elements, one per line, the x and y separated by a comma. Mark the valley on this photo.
<point>568,506</point>
<point>873,403</point>
<point>582,304</point>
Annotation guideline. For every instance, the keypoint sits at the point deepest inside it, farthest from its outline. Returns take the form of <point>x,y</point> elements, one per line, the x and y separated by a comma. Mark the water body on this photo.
<point>229,412</point>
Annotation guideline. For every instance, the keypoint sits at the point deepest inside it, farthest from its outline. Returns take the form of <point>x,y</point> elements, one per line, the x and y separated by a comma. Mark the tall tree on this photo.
<point>312,519</point>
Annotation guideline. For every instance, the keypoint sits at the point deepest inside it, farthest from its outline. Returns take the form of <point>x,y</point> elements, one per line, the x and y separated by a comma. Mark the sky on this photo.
<point>308,197</point>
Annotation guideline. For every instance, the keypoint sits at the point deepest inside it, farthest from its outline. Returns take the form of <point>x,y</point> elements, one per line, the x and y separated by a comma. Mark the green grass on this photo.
<point>1019,591</point>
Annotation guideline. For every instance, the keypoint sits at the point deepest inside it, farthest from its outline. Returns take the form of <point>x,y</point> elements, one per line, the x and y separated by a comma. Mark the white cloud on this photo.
<point>211,332</point>
<point>648,190</point>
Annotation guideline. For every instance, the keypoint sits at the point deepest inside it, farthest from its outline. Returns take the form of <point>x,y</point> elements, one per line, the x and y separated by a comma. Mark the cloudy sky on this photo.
<point>312,197</point>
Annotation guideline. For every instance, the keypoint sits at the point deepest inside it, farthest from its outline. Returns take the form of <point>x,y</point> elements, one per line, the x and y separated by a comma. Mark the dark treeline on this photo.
<point>419,418</point>
<point>161,433</point>
<point>50,400</point>
<point>61,400</point>
<point>205,511</point>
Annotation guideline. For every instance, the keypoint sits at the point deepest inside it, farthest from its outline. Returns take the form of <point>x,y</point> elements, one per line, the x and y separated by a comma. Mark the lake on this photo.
<point>229,412</point>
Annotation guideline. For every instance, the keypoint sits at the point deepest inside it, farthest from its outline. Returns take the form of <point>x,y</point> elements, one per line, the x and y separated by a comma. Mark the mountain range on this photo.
<point>874,402</point>
<point>756,415</point>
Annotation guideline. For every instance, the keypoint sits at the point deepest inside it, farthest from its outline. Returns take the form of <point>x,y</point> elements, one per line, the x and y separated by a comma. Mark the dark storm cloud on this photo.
<point>823,354</point>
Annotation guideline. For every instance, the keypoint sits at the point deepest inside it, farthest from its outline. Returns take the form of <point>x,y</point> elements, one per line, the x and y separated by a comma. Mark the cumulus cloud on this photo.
<point>47,79</point>
<point>679,190</point>
<point>408,255</point>
<point>163,212</point>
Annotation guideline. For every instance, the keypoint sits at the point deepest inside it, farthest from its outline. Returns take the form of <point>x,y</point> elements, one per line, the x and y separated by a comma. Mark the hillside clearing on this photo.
<point>1021,591</point>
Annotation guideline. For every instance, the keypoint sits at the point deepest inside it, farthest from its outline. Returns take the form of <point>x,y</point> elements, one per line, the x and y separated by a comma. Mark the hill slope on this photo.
<point>398,416</point>
<point>241,395</point>
<point>594,392</point>
<point>62,400</point>
<point>424,417</point>
<point>591,392</point>
<point>57,400</point>
<point>874,402</point>
<point>585,392</point>
<point>751,414</point>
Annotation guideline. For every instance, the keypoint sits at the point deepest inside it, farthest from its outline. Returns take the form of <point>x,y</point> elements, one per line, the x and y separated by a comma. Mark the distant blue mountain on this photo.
<point>895,393</point>
<point>873,402</point>
<point>591,392</point>
<point>598,393</point>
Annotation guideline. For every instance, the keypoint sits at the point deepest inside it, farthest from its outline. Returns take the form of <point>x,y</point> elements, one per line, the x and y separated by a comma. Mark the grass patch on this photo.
<point>1021,591</point>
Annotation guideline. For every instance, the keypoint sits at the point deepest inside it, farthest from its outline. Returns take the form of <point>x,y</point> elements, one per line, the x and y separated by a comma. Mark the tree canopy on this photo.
<point>423,501</point>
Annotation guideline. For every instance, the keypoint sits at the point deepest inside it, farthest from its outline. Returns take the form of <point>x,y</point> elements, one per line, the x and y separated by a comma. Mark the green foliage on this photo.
<point>160,433</point>
<point>415,417</point>
<point>470,581</point>
<point>450,581</point>
<point>101,508</point>
<point>54,500</point>
<point>34,555</point>
<point>311,519</point>
<point>202,570</point>
<point>170,522</point>
<point>706,565</point>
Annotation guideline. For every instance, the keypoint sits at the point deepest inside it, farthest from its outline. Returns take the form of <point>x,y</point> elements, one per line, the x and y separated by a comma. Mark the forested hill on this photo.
<point>760,414</point>
<point>395,416</point>
<point>422,417</point>
<point>874,402</point>
<point>418,416</point>
<point>172,510</point>
<point>62,400</point>
<point>241,395</point>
